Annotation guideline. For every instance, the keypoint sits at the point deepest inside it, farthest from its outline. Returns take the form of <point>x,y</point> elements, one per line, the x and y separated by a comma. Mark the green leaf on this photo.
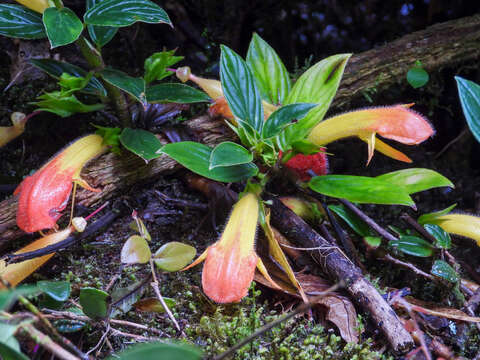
<point>153,305</point>
<point>19,22</point>
<point>431,217</point>
<point>120,13</point>
<point>138,226</point>
<point>7,337</point>
<point>7,331</point>
<point>417,77</point>
<point>352,220</point>
<point>284,116</point>
<point>416,179</point>
<point>174,256</point>
<point>68,326</point>
<point>373,241</point>
<point>360,189</point>
<point>141,142</point>
<point>135,251</point>
<point>8,297</point>
<point>100,35</point>
<point>131,85</point>
<point>196,157</point>
<point>270,74</point>
<point>64,105</point>
<point>443,270</point>
<point>469,93</point>
<point>123,298</point>
<point>69,83</point>
<point>240,89</point>
<point>318,85</point>
<point>94,302</point>
<point>305,147</point>
<point>62,25</point>
<point>159,351</point>
<point>111,136</point>
<point>229,153</point>
<point>8,353</point>
<point>413,245</point>
<point>56,68</point>
<point>177,93</point>
<point>443,240</point>
<point>156,65</point>
<point>57,290</point>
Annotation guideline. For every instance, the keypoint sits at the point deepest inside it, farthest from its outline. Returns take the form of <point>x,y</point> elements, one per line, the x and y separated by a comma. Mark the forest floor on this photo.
<point>216,328</point>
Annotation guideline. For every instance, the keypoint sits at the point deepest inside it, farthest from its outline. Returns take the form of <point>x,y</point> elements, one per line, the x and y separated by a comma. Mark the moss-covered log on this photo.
<point>112,173</point>
<point>438,46</point>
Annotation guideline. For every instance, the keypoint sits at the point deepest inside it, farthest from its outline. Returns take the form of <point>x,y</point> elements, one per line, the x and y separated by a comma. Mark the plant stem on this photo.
<point>368,220</point>
<point>95,61</point>
<point>155,287</point>
<point>48,325</point>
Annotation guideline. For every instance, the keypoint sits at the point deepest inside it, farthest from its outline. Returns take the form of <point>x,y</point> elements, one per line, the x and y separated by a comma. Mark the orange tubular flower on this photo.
<point>397,122</point>
<point>213,88</point>
<point>35,5</point>
<point>230,262</point>
<point>44,195</point>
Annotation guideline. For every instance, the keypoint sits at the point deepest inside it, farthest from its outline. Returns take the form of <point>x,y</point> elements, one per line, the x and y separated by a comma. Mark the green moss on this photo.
<point>296,338</point>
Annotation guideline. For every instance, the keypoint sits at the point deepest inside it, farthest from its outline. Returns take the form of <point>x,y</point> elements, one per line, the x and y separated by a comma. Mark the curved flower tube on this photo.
<point>397,122</point>
<point>460,224</point>
<point>15,273</point>
<point>44,195</point>
<point>213,88</point>
<point>8,133</point>
<point>230,262</point>
<point>35,5</point>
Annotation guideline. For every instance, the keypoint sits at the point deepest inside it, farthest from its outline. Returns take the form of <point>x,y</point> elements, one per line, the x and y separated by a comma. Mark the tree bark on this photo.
<point>340,269</point>
<point>113,173</point>
<point>437,46</point>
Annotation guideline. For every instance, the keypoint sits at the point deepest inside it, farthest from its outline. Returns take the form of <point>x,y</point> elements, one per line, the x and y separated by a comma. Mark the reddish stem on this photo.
<point>35,113</point>
<point>96,211</point>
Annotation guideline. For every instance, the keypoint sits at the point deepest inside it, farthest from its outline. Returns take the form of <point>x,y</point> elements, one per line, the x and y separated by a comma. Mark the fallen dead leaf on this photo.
<point>340,310</point>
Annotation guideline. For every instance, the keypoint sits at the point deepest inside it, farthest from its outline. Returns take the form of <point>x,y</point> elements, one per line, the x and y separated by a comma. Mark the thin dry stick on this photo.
<point>43,339</point>
<point>302,308</point>
<point>133,336</point>
<point>69,315</point>
<point>416,226</point>
<point>412,267</point>
<point>48,343</point>
<point>40,316</point>
<point>368,220</point>
<point>421,336</point>
<point>102,339</point>
<point>154,284</point>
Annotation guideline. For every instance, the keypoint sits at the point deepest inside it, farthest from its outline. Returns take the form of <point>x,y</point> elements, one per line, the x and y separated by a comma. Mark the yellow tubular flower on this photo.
<point>460,224</point>
<point>397,123</point>
<point>213,88</point>
<point>35,5</point>
<point>230,262</point>
<point>15,273</point>
<point>8,133</point>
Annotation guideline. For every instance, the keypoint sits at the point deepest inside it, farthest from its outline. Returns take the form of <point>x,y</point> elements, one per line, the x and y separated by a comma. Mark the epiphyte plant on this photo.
<point>102,85</point>
<point>275,121</point>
